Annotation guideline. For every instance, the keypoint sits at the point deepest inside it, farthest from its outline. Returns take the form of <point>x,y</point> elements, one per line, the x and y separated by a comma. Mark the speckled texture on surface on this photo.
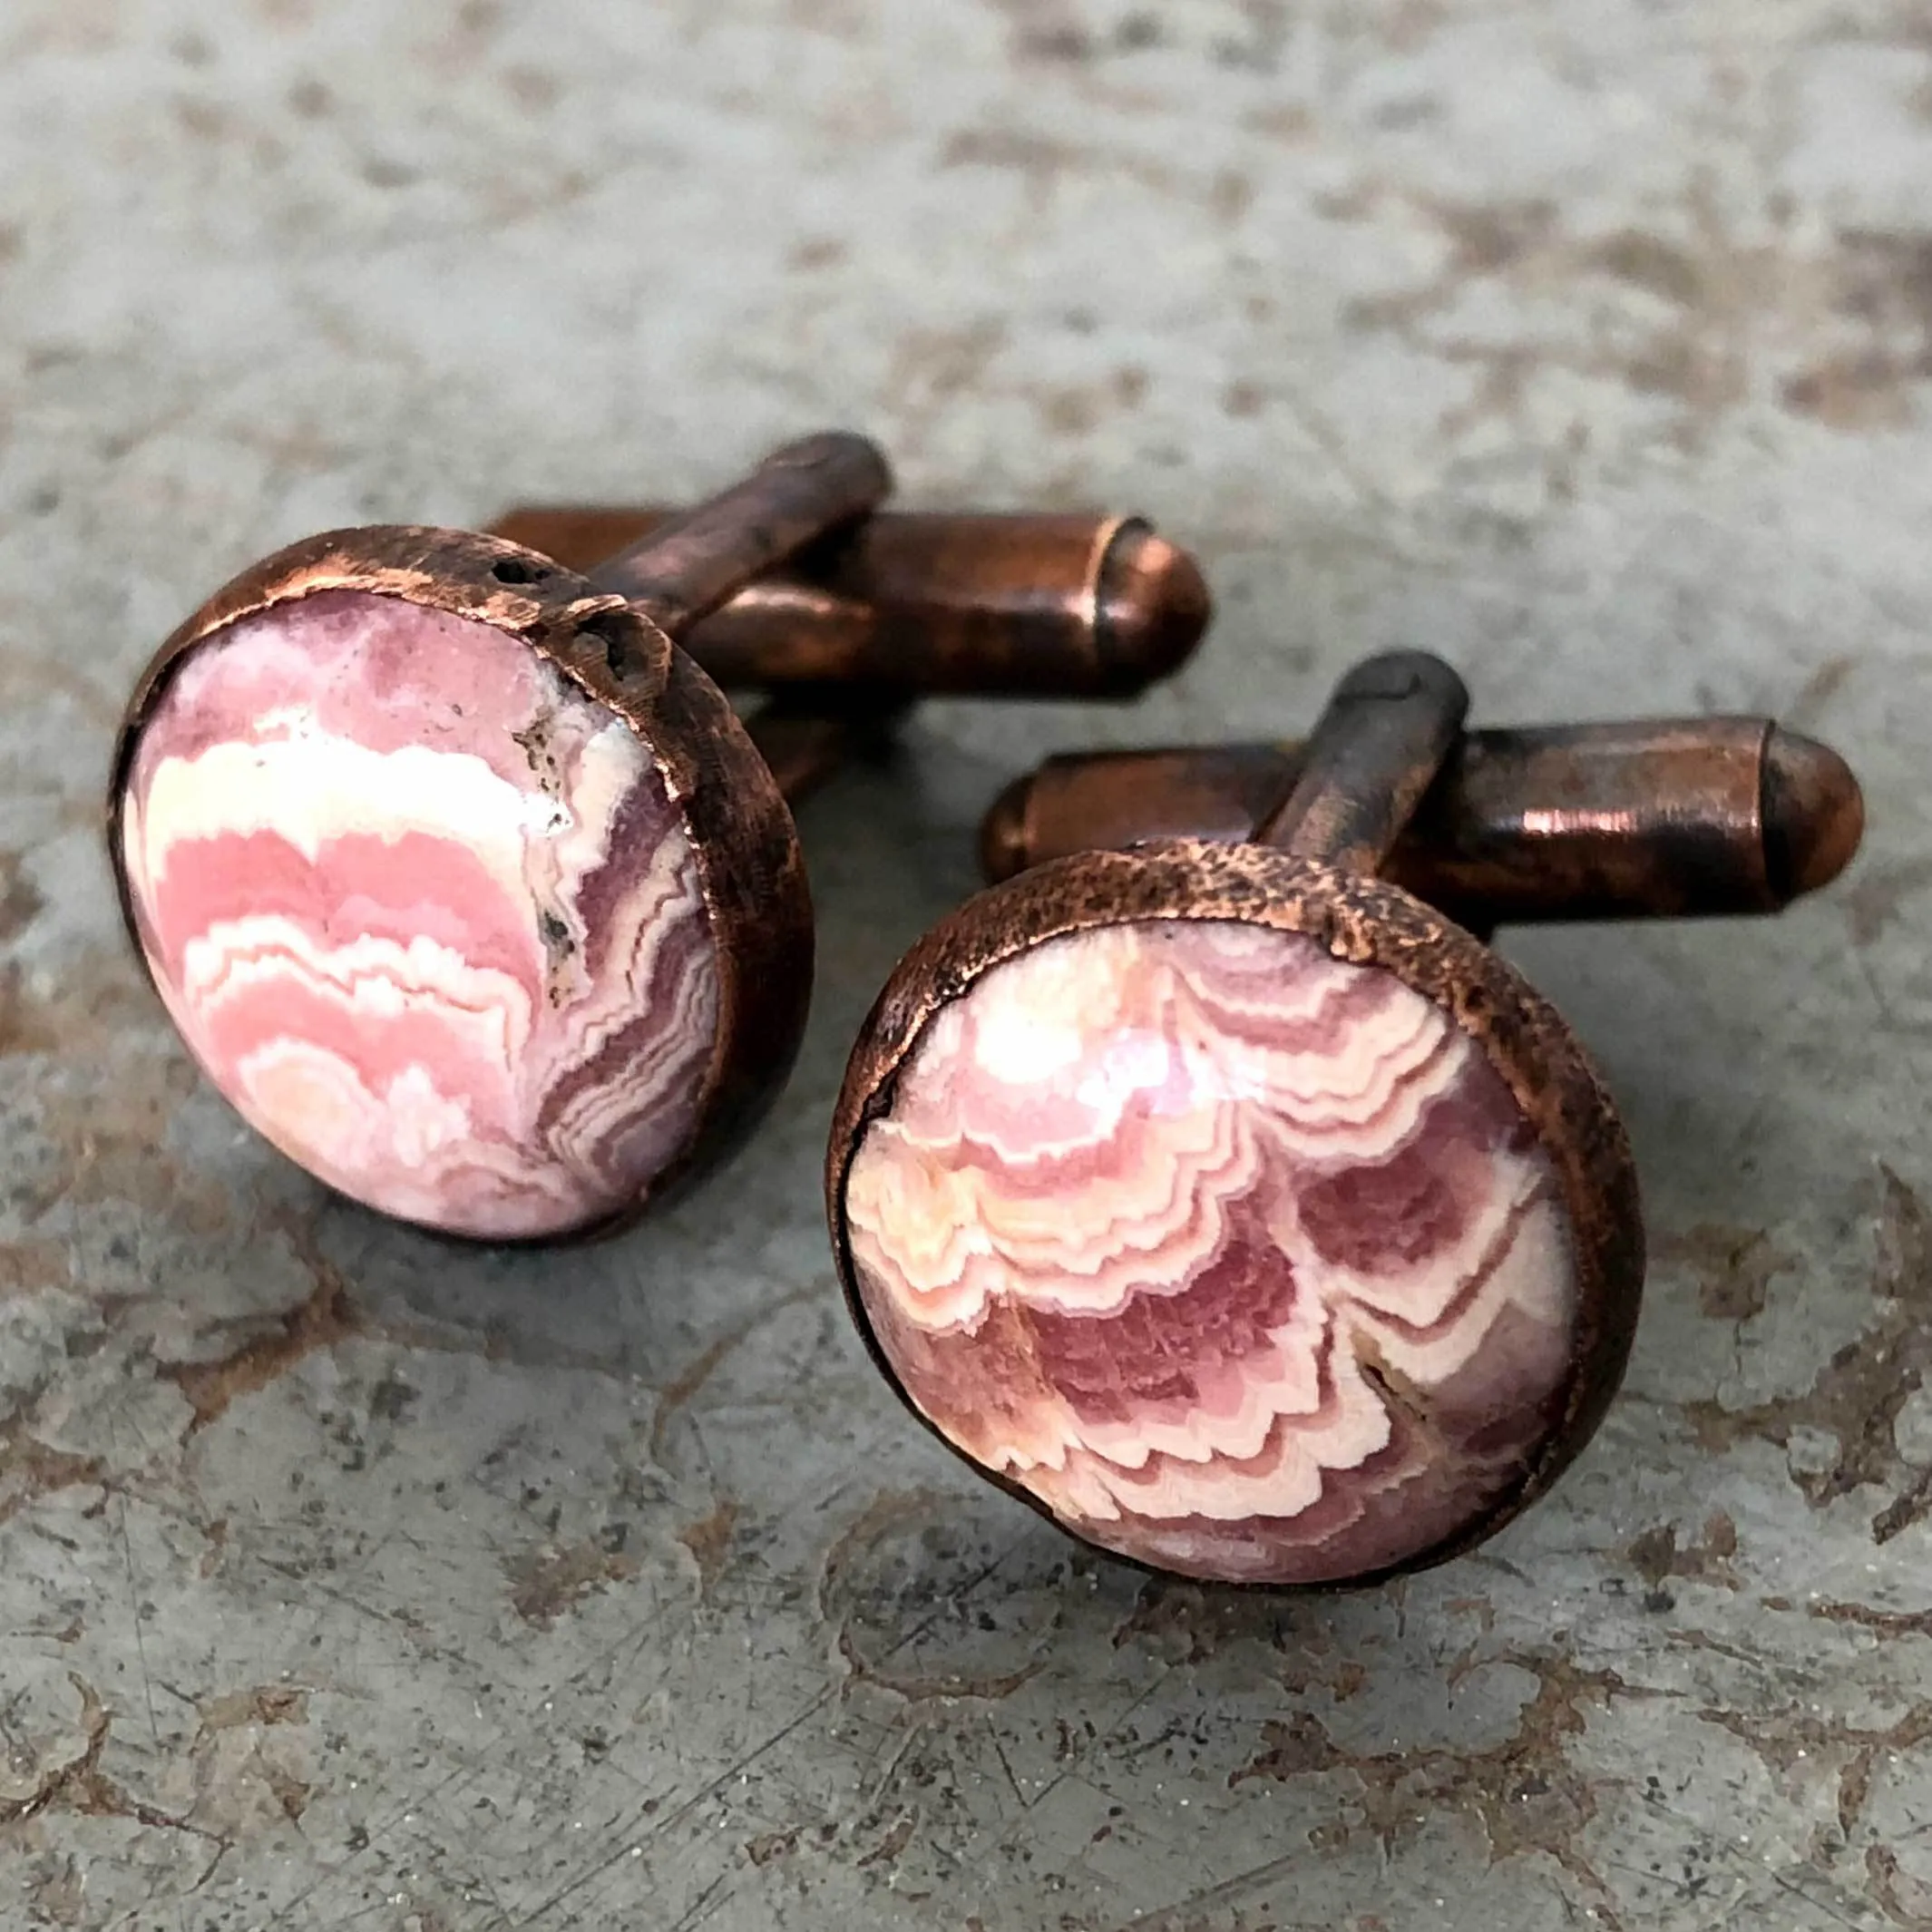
<point>350,1579</point>
<point>425,913</point>
<point>1240,1258</point>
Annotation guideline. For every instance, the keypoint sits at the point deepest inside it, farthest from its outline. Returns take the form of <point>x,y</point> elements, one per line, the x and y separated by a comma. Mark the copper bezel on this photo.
<point>750,868</point>
<point>1359,919</point>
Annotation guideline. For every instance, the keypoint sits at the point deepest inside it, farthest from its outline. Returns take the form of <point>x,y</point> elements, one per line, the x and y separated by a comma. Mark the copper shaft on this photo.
<point>1375,750</point>
<point>1668,819</point>
<point>929,602</point>
<point>691,563</point>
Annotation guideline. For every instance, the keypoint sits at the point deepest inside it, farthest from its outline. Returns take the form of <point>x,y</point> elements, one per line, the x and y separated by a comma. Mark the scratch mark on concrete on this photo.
<point>323,1318</point>
<point>1524,1792</point>
<point>1796,1735</point>
<point>1735,1267</point>
<point>1859,1394</point>
<point>678,1393</point>
<point>30,1470</point>
<point>709,1542</point>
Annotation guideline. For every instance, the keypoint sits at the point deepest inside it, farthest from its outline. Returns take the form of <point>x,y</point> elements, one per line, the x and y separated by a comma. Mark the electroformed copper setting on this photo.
<point>462,882</point>
<point>1231,1204</point>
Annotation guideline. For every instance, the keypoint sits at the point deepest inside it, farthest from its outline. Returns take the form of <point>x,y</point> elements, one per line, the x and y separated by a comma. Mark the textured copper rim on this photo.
<point>750,868</point>
<point>1363,921</point>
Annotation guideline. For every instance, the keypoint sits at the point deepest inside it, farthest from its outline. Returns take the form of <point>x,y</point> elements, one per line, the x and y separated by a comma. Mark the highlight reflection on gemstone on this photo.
<point>424,913</point>
<point>1241,1259</point>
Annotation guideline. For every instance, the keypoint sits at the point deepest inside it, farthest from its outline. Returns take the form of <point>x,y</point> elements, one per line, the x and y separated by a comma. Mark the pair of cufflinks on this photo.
<point>1207,1181</point>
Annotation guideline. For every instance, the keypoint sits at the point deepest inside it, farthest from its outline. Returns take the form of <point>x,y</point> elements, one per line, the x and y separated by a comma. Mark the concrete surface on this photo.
<point>347,1580</point>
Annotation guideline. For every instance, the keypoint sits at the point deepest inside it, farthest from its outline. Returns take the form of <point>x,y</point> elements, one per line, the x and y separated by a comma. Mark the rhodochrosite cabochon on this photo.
<point>1241,1259</point>
<point>423,910</point>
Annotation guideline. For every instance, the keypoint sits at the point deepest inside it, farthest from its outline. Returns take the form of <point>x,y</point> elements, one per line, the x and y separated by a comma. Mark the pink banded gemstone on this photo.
<point>423,910</point>
<point>1241,1259</point>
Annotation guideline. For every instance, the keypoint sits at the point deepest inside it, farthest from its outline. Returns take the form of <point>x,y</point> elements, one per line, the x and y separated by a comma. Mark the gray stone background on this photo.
<point>347,1580</point>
